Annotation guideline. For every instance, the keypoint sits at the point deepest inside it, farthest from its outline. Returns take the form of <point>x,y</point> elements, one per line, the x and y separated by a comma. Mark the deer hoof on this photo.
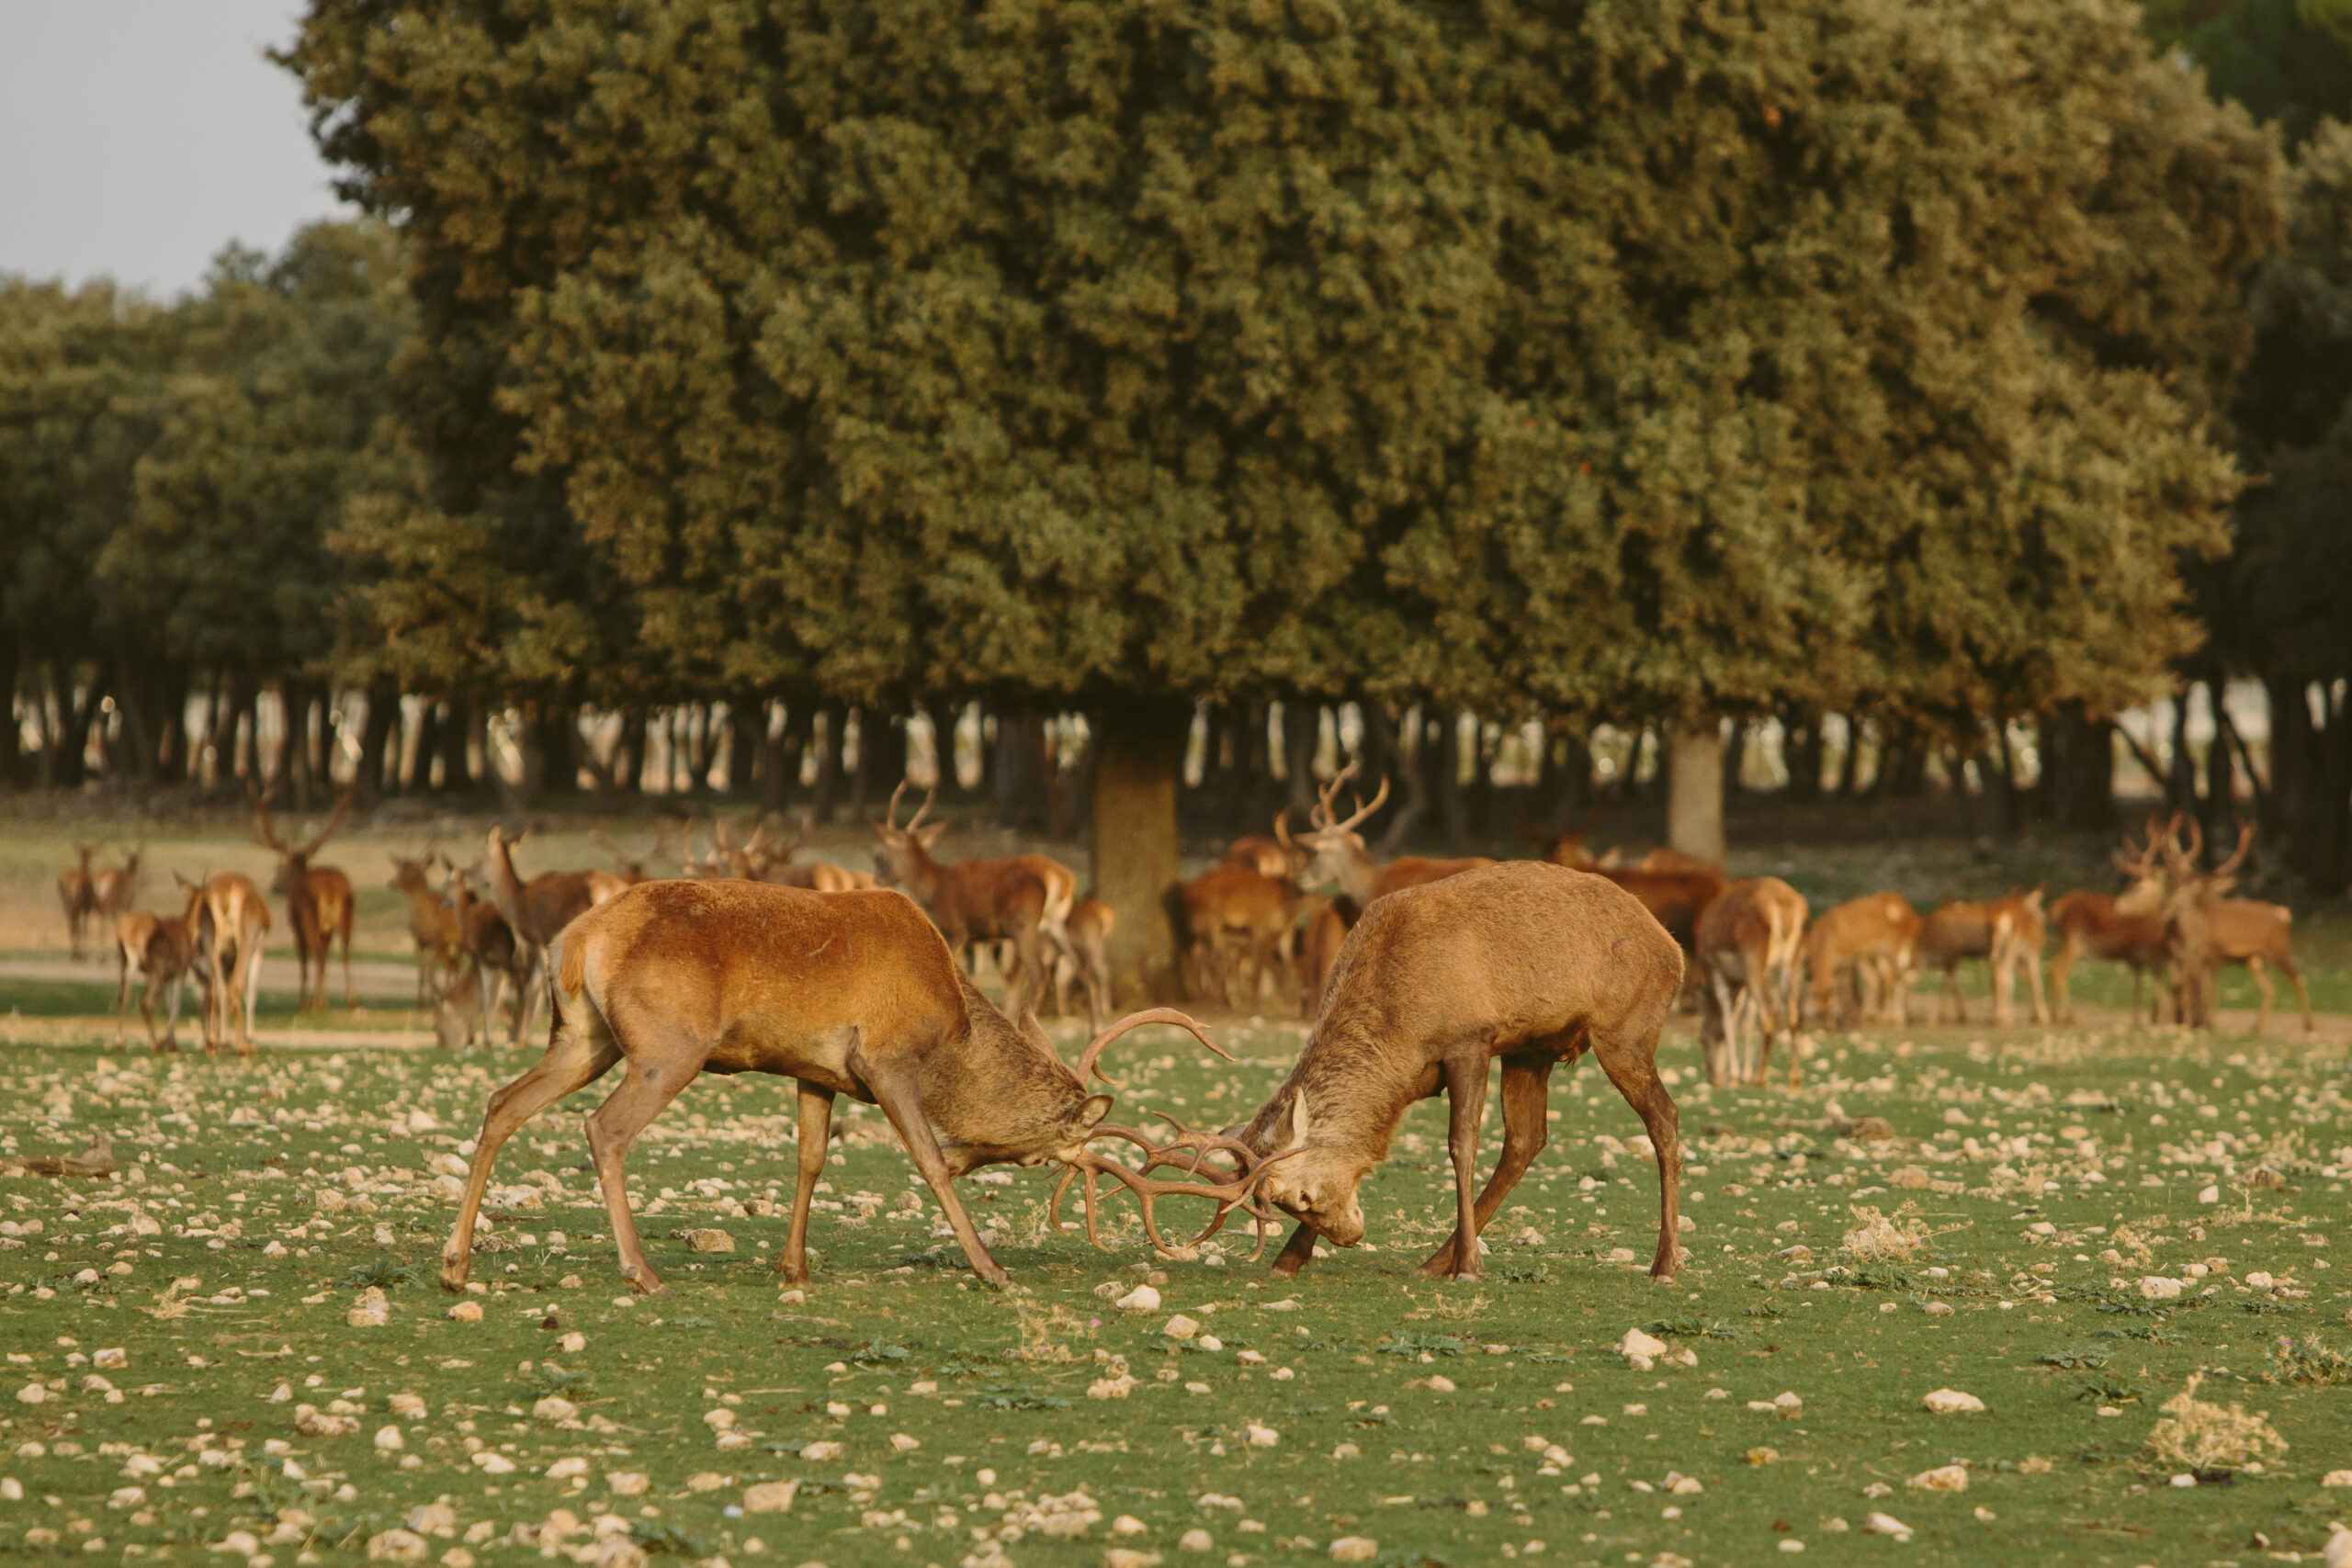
<point>646,1282</point>
<point>453,1275</point>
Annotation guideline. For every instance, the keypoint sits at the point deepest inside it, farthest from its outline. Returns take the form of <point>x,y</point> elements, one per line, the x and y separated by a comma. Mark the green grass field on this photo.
<point>927,1419</point>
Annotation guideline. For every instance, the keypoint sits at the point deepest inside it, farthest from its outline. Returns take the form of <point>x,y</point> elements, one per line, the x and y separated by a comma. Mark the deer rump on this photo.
<point>1530,962</point>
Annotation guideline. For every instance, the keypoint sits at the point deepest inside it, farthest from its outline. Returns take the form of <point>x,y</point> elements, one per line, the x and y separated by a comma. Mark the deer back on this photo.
<point>1415,870</point>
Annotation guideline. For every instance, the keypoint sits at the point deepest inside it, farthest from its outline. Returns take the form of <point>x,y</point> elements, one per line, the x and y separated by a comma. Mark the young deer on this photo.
<point>1091,923</point>
<point>433,926</point>
<point>115,890</point>
<point>847,993</point>
<point>535,912</point>
<point>77,894</point>
<point>1334,851</point>
<point>1529,963</point>
<point>232,921</point>
<point>1872,943</point>
<point>1023,899</point>
<point>159,951</point>
<point>1748,942</point>
<point>319,901</point>
<point>2204,931</point>
<point>489,944</point>
<point>1237,926</point>
<point>2008,930</point>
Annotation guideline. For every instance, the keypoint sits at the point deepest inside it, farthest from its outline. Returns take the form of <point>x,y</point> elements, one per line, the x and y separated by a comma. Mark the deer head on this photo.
<point>1333,849</point>
<point>1321,1171</point>
<point>293,859</point>
<point>904,857</point>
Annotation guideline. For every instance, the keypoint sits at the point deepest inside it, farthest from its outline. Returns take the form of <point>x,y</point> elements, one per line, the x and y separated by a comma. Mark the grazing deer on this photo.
<point>535,912</point>
<point>1332,850</point>
<point>1237,925</point>
<point>319,905</point>
<point>2204,931</point>
<point>488,941</point>
<point>2092,923</point>
<point>116,890</point>
<point>1089,963</point>
<point>1530,962</point>
<point>2008,931</point>
<point>1749,940</point>
<point>1023,899</point>
<point>1675,899</point>
<point>780,867</point>
<point>159,951</point>
<point>433,926</point>
<point>1872,943</point>
<point>1322,932</point>
<point>232,921</point>
<point>847,993</point>
<point>77,892</point>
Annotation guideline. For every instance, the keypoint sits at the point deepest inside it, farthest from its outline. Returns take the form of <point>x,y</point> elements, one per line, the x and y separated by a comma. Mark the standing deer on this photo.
<point>488,943</point>
<point>778,865</point>
<point>319,905</point>
<point>1089,963</point>
<point>847,993</point>
<point>77,893</point>
<point>1872,943</point>
<point>2008,931</point>
<point>433,926</point>
<point>2094,923</point>
<point>1237,924</point>
<point>115,890</point>
<point>1333,850</point>
<point>2204,931</point>
<point>1322,932</point>
<point>1748,941</point>
<point>535,912</point>
<point>232,921</point>
<point>1530,962</point>
<point>1265,856</point>
<point>1023,899</point>
<point>158,951</point>
<point>1675,895</point>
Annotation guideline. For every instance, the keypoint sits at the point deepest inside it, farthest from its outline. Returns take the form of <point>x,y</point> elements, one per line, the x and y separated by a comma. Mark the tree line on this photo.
<point>726,379</point>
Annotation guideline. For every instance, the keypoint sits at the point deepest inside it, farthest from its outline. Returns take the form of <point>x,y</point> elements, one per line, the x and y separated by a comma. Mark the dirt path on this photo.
<point>375,979</point>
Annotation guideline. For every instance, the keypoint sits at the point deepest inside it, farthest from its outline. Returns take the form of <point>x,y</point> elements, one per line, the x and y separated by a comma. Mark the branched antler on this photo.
<point>1239,1190</point>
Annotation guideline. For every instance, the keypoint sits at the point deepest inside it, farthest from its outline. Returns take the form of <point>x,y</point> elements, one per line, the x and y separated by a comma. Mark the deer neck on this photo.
<point>505,888</point>
<point>923,873</point>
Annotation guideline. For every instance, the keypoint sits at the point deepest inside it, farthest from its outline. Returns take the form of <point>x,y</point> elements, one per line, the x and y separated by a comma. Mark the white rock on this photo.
<point>1439,1383</point>
<point>2209,1195</point>
<point>1354,1549</point>
<point>815,1451</point>
<point>465,1312</point>
<point>2158,1288</point>
<point>388,1439</point>
<point>241,1542</point>
<point>2337,1552</point>
<point>2336,1478</point>
<point>1143,1298</point>
<point>1263,1437</point>
<point>1951,1401</point>
<point>904,1443</point>
<point>1943,1478</point>
<point>770,1498</point>
<point>554,1407</point>
<point>1194,1540</point>
<point>2183,1481</point>
<point>2261,1280</point>
<point>494,1463</point>
<point>1787,1402</point>
<point>396,1546</point>
<point>110,1359</point>
<point>565,1469</point>
<point>629,1483</point>
<point>1180,1327</point>
<point>407,1407</point>
<point>1637,1343</point>
<point>1887,1524</point>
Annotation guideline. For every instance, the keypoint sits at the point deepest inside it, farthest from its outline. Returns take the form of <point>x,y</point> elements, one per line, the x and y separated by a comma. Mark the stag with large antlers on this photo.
<point>2204,930</point>
<point>1749,940</point>
<point>2096,924</point>
<point>319,905</point>
<point>158,951</point>
<point>77,894</point>
<point>848,993</point>
<point>1333,850</point>
<point>1023,899</point>
<point>1532,964</point>
<point>628,870</point>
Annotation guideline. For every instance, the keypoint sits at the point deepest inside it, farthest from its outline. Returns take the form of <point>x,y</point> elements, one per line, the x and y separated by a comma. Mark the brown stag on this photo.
<point>779,865</point>
<point>1333,851</point>
<point>2092,923</point>
<point>319,901</point>
<point>1023,899</point>
<point>2008,931</point>
<point>1749,940</point>
<point>1870,943</point>
<point>849,993</point>
<point>2204,931</point>
<point>77,893</point>
<point>158,951</point>
<point>433,926</point>
<point>1530,962</point>
<point>1265,856</point>
<point>628,871</point>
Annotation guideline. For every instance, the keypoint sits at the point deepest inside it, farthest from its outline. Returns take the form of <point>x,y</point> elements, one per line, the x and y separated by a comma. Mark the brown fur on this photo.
<point>160,951</point>
<point>77,894</point>
<point>2204,931</point>
<point>1263,855</point>
<point>1320,936</point>
<point>1023,899</point>
<point>1870,942</point>
<point>2008,931</point>
<point>2089,923</point>
<point>232,919</point>
<point>849,993</point>
<point>1237,927</point>
<point>1091,923</point>
<point>535,911</point>
<point>1333,851</point>
<point>488,943</point>
<point>1530,962</point>
<point>432,925</point>
<point>319,905</point>
<point>116,889</point>
<point>1749,940</point>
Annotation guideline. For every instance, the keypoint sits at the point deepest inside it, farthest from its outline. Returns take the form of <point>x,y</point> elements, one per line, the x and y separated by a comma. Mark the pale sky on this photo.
<point>139,136</point>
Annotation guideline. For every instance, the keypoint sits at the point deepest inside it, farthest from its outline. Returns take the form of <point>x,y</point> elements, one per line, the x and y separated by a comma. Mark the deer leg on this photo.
<point>575,1059</point>
<point>2061,985</point>
<point>902,1103</point>
<point>2263,983</point>
<point>2034,985</point>
<point>816,1127</point>
<point>350,996</point>
<point>1526,1079</point>
<point>1631,1062</point>
<point>1466,1093</point>
<point>1296,1253</point>
<point>122,993</point>
<point>652,1084</point>
<point>172,1019</point>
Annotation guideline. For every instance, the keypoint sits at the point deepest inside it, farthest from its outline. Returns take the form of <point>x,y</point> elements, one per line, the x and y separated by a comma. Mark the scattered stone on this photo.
<point>1354,1549</point>
<point>2159,1288</point>
<point>465,1312</point>
<point>396,1546</point>
<point>1263,1437</point>
<point>1143,1298</point>
<point>1951,1401</point>
<point>371,1311</point>
<point>1887,1524</point>
<point>770,1498</point>
<point>388,1439</point>
<point>1943,1478</point>
<point>1180,1327</point>
<point>628,1482</point>
<point>710,1241</point>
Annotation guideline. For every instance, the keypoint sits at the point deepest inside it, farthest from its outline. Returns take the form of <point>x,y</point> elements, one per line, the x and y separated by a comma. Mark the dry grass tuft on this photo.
<point>2197,1435</point>
<point>1878,1239</point>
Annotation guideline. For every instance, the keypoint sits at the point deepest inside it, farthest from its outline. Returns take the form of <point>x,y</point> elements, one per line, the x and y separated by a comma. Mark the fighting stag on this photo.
<point>1023,899</point>
<point>2204,931</point>
<point>849,993</point>
<point>77,893</point>
<point>1871,945</point>
<point>158,951</point>
<point>1332,850</point>
<point>319,901</point>
<point>2008,930</point>
<point>1530,962</point>
<point>1749,940</point>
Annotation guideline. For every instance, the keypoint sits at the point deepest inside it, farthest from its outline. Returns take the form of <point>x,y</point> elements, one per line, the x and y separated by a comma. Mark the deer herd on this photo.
<point>1416,973</point>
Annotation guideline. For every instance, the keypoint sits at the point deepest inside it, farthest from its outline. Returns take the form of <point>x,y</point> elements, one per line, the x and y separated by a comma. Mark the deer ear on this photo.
<point>931,835</point>
<point>1301,1125</point>
<point>1091,1112</point>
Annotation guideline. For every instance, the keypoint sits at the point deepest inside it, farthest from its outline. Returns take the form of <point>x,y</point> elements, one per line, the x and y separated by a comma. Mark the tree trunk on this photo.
<point>2291,761</point>
<point>1444,759</point>
<point>1850,766</point>
<point>1956,766</point>
<point>1694,800</point>
<point>826,793</point>
<point>2078,771</point>
<point>2221,782</point>
<point>2332,826</point>
<point>1302,731</point>
<point>377,737</point>
<point>2180,787</point>
<point>472,762</point>
<point>881,756</point>
<point>1139,758</point>
<point>1566,788</point>
<point>1070,794</point>
<point>1800,749</point>
<point>780,751</point>
<point>1249,772</point>
<point>1024,802</point>
<point>1734,758</point>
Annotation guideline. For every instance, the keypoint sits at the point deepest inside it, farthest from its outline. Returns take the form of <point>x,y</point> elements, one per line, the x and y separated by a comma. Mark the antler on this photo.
<point>1239,1191</point>
<point>1282,830</point>
<point>1087,1063</point>
<point>263,830</point>
<point>342,809</point>
<point>1363,810</point>
<point>890,818</point>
